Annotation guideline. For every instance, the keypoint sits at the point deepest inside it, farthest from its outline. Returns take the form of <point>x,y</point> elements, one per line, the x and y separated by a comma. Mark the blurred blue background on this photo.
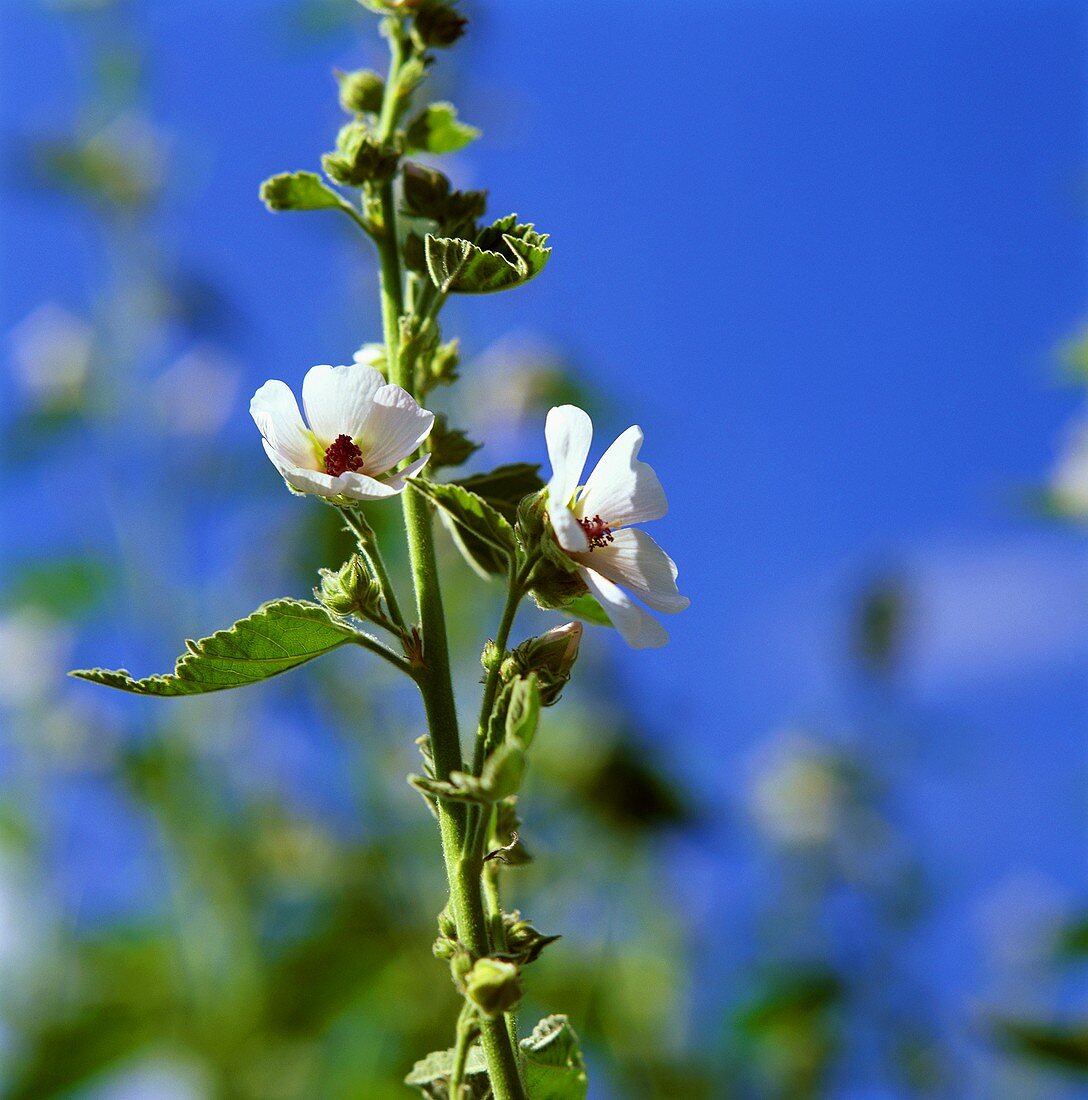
<point>826,254</point>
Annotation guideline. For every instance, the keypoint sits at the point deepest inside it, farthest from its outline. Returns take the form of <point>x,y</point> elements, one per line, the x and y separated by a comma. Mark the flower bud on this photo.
<point>426,191</point>
<point>523,941</point>
<point>439,24</point>
<point>551,656</point>
<point>361,91</point>
<point>349,591</point>
<point>359,158</point>
<point>493,985</point>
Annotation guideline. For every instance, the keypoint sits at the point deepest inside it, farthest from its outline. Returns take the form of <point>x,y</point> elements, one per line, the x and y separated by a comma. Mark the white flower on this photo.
<point>360,427</point>
<point>592,524</point>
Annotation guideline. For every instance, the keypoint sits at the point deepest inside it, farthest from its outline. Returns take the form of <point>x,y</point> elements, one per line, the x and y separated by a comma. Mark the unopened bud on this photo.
<point>551,656</point>
<point>361,91</point>
<point>439,24</point>
<point>351,590</point>
<point>359,158</point>
<point>493,985</point>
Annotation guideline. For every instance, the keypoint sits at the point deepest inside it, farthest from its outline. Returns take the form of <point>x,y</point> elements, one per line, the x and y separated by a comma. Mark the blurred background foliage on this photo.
<point>235,898</point>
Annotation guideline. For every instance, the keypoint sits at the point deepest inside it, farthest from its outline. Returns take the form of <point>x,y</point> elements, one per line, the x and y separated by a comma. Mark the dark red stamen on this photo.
<point>597,531</point>
<point>343,455</point>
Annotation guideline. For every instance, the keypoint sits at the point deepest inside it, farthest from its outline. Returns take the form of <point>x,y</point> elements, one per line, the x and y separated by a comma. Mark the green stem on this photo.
<point>397,661</point>
<point>368,547</point>
<point>434,679</point>
<point>493,907</point>
<point>514,592</point>
<point>466,1030</point>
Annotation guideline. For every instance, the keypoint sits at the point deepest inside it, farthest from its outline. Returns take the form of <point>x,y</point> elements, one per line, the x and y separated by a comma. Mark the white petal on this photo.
<point>303,479</point>
<point>361,487</point>
<point>396,481</point>
<point>394,428</point>
<point>275,412</point>
<point>569,432</point>
<point>338,399</point>
<point>622,490</point>
<point>635,561</point>
<point>638,628</point>
<point>568,531</point>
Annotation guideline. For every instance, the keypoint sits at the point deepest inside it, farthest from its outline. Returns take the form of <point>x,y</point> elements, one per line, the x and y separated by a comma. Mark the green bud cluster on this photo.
<point>359,158</point>
<point>428,194</point>
<point>350,590</point>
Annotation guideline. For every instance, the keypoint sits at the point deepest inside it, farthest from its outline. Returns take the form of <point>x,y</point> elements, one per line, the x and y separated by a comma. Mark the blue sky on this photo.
<point>822,252</point>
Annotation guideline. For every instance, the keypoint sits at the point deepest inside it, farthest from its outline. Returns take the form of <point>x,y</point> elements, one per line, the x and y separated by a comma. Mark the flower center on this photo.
<point>597,531</point>
<point>343,455</point>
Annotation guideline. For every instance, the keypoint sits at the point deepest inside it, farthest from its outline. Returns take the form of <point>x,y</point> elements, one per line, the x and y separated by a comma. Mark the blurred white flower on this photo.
<point>372,355</point>
<point>194,395</point>
<point>360,427</point>
<point>51,354</point>
<point>795,792</point>
<point>33,648</point>
<point>592,521</point>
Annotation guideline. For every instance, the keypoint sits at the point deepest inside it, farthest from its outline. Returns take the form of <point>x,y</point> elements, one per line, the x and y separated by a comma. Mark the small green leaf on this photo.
<point>431,1075</point>
<point>555,1069</point>
<point>278,636</point>
<point>504,255</point>
<point>481,533</point>
<point>588,608</point>
<point>523,711</point>
<point>437,129</point>
<point>501,777</point>
<point>298,191</point>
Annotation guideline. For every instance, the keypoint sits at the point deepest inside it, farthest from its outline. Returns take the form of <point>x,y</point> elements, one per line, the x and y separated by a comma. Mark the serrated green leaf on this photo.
<point>482,534</point>
<point>523,711</point>
<point>298,191</point>
<point>554,1066</point>
<point>437,129</point>
<point>431,1075</point>
<point>502,488</point>
<point>505,487</point>
<point>504,255</point>
<point>278,636</point>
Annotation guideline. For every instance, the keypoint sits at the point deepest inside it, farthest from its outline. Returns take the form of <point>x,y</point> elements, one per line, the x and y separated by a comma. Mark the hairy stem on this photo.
<point>434,678</point>
<point>368,547</point>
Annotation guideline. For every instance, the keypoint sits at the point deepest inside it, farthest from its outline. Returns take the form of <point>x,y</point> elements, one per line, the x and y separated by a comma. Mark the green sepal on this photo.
<point>484,536</point>
<point>361,91</point>
<point>504,255</point>
<point>523,711</point>
<point>299,191</point>
<point>431,1075</point>
<point>278,636</point>
<point>437,129</point>
<point>554,1066</point>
